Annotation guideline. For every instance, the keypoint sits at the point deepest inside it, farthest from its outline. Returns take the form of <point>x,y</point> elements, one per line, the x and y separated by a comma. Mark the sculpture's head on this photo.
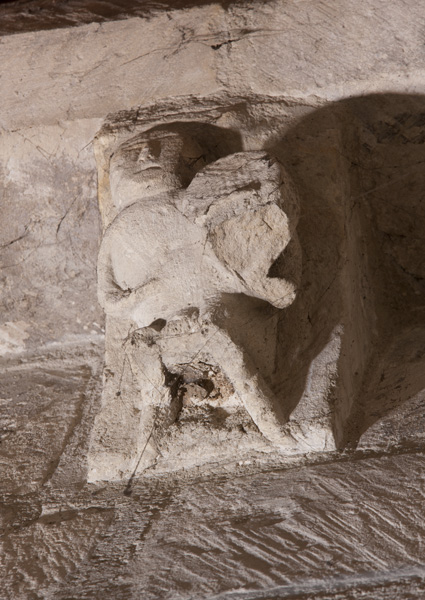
<point>154,162</point>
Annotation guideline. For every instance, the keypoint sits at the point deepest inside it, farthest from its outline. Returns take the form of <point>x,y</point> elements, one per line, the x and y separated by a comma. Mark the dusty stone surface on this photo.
<point>187,233</point>
<point>344,528</point>
<point>308,52</point>
<point>332,530</point>
<point>334,93</point>
<point>310,528</point>
<point>357,292</point>
<point>49,230</point>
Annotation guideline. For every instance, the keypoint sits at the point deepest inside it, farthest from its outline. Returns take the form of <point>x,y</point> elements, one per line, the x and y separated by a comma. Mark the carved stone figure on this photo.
<point>165,264</point>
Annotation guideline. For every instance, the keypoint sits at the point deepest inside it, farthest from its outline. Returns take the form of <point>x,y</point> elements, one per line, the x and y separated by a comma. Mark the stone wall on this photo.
<point>58,86</point>
<point>334,93</point>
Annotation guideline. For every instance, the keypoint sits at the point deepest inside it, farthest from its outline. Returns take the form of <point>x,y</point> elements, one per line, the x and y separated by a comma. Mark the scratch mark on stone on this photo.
<point>21,237</point>
<point>127,491</point>
<point>41,150</point>
<point>156,50</point>
<point>65,215</point>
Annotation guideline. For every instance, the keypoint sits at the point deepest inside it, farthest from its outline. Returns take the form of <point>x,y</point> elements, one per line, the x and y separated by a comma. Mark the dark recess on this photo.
<point>19,16</point>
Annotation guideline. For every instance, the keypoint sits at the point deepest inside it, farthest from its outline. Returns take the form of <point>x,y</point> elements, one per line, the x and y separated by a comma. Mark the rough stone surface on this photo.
<point>308,52</point>
<point>324,351</point>
<point>334,94</point>
<point>167,260</point>
<point>49,230</point>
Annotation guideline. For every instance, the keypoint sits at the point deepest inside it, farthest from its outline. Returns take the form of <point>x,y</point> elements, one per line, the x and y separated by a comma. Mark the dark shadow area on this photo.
<point>214,142</point>
<point>251,324</point>
<point>395,382</point>
<point>358,167</point>
<point>22,16</point>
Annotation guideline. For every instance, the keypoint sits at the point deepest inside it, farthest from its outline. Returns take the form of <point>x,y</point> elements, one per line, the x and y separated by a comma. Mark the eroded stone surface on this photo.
<point>360,288</point>
<point>333,530</point>
<point>343,221</point>
<point>186,233</point>
<point>346,355</point>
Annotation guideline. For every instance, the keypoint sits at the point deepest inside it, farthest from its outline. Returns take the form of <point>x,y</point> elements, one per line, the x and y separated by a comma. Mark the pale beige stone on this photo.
<point>165,262</point>
<point>309,480</point>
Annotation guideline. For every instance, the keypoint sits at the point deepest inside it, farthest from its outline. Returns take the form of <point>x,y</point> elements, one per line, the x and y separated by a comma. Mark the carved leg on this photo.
<point>260,402</point>
<point>123,440</point>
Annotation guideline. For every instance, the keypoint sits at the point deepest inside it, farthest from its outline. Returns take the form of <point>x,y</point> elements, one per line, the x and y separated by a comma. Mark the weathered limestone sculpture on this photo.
<point>164,264</point>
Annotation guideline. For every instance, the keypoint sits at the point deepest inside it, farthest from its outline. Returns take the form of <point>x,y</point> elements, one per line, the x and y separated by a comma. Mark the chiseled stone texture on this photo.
<point>306,51</point>
<point>354,328</point>
<point>348,524</point>
<point>334,90</point>
<point>334,531</point>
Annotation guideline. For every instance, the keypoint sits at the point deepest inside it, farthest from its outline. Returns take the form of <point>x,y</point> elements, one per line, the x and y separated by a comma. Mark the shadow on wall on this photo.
<point>358,166</point>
